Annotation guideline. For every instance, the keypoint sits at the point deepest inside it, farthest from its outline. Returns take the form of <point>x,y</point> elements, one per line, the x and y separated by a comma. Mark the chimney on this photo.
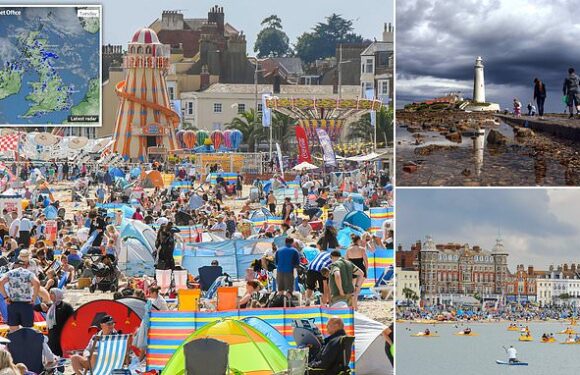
<point>530,270</point>
<point>573,267</point>
<point>204,78</point>
<point>276,85</point>
<point>551,268</point>
<point>565,267</point>
<point>388,33</point>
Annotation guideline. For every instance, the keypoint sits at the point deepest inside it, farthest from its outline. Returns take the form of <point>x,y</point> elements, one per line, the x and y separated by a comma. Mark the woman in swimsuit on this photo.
<point>357,254</point>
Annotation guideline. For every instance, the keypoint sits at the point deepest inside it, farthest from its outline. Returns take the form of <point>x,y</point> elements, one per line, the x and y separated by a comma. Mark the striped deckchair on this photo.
<point>111,353</point>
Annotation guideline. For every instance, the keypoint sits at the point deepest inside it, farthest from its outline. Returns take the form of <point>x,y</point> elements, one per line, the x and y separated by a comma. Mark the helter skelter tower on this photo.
<point>145,121</point>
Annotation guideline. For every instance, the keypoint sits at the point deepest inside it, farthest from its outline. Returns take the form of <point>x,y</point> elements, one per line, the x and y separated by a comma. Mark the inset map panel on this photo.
<point>50,65</point>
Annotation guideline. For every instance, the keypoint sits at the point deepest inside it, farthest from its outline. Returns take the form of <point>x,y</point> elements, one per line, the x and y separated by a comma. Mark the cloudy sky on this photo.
<point>123,17</point>
<point>539,226</point>
<point>438,40</point>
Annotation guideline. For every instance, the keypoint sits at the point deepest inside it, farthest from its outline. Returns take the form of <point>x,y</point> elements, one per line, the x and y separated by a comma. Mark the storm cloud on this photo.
<point>438,41</point>
<point>539,227</point>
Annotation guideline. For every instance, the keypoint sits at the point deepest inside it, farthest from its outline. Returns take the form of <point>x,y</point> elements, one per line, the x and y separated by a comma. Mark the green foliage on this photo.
<point>272,41</point>
<point>363,130</point>
<point>250,124</point>
<point>321,42</point>
<point>410,294</point>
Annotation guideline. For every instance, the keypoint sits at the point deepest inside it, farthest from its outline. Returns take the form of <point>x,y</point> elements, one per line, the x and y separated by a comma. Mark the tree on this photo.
<point>362,129</point>
<point>321,42</point>
<point>410,295</point>
<point>283,130</point>
<point>251,127</point>
<point>272,41</point>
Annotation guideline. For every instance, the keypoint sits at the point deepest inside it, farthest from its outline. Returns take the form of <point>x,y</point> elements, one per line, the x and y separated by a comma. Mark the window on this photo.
<point>259,107</point>
<point>217,126</point>
<point>171,93</point>
<point>384,90</point>
<point>217,107</point>
<point>190,108</point>
<point>369,65</point>
<point>241,108</point>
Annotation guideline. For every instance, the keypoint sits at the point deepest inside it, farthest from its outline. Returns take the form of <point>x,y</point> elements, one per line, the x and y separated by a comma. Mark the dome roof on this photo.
<point>146,36</point>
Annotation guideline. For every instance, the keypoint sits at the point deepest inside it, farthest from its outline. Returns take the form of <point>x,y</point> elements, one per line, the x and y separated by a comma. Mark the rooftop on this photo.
<point>377,47</point>
<point>241,88</point>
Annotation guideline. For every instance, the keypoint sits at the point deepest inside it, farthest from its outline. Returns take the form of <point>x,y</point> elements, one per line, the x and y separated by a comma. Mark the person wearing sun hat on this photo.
<point>81,363</point>
<point>28,263</point>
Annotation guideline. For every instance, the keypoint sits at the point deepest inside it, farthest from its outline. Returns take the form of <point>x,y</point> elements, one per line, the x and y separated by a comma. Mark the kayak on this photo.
<point>511,364</point>
<point>422,334</point>
<point>526,338</point>
<point>548,341</point>
<point>466,334</point>
<point>570,343</point>
<point>513,328</point>
<point>567,331</point>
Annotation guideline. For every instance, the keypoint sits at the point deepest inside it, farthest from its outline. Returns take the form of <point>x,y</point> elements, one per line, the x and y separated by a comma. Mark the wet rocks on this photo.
<point>496,138</point>
<point>410,167</point>
<point>428,150</point>
<point>454,137</point>
<point>524,133</point>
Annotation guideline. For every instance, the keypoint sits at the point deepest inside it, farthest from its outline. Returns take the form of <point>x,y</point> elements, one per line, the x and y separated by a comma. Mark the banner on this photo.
<point>50,228</point>
<point>329,157</point>
<point>303,151</point>
<point>373,118</point>
<point>280,159</point>
<point>266,112</point>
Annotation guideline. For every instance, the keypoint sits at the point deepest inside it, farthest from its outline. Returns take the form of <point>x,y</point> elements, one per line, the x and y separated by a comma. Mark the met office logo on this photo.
<point>10,12</point>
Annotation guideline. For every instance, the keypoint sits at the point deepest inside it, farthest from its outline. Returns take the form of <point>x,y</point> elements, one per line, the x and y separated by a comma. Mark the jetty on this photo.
<point>558,126</point>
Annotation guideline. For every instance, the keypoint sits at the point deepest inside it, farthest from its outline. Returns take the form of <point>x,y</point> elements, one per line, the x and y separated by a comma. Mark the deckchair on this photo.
<point>26,347</point>
<point>63,279</point>
<point>180,279</point>
<point>384,284</point>
<point>207,300</point>
<point>208,275</point>
<point>112,353</point>
<point>206,356</point>
<point>163,278</point>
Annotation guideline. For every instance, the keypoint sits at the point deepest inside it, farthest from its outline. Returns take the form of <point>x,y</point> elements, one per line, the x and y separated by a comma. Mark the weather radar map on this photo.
<point>50,65</point>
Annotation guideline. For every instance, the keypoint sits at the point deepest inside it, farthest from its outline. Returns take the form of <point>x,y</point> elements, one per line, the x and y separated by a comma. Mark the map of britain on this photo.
<point>50,66</point>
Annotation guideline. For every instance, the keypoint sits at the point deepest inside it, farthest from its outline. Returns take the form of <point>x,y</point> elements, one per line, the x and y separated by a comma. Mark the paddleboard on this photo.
<point>510,364</point>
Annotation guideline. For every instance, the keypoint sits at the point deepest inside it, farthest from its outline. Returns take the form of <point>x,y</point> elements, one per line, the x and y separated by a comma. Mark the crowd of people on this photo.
<point>37,269</point>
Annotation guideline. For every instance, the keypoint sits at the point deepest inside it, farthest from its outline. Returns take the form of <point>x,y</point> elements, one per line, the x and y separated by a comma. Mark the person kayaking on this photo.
<point>512,354</point>
<point>467,331</point>
<point>427,332</point>
<point>545,337</point>
<point>570,339</point>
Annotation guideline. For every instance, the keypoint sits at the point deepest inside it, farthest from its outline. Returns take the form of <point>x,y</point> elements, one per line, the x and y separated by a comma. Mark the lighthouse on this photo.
<point>145,124</point>
<point>478,82</point>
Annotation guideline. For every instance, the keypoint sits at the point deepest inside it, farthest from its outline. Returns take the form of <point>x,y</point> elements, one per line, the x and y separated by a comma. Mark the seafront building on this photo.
<point>453,273</point>
<point>408,290</point>
<point>559,286</point>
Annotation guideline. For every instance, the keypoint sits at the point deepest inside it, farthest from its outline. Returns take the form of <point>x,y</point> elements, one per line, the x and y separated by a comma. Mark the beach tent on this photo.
<point>270,332</point>
<point>339,213</point>
<point>152,179</point>
<point>79,328</point>
<point>369,343</point>
<point>116,172</point>
<point>250,352</point>
<point>140,231</point>
<point>358,219</point>
<point>137,305</point>
<point>135,259</point>
<point>135,172</point>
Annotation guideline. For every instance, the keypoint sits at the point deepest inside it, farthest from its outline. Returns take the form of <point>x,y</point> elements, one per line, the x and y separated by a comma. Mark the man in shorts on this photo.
<point>314,278</point>
<point>21,295</point>
<point>286,259</point>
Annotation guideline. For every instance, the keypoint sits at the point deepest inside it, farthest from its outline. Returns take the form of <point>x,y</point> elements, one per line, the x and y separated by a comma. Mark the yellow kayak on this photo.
<point>567,331</point>
<point>570,343</point>
<point>548,341</point>
<point>422,334</point>
<point>512,328</point>
<point>466,334</point>
<point>526,338</point>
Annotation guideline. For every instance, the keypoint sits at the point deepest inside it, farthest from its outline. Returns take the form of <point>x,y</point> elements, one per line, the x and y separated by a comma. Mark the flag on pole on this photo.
<point>266,112</point>
<point>373,118</point>
<point>329,157</point>
<point>280,159</point>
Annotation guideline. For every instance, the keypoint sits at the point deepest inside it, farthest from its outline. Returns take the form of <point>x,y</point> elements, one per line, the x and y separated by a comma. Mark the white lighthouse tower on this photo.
<point>479,103</point>
<point>478,82</point>
<point>146,122</point>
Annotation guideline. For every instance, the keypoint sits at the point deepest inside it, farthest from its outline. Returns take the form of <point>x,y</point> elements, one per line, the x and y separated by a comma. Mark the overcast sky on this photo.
<point>123,17</point>
<point>539,226</point>
<point>438,41</point>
